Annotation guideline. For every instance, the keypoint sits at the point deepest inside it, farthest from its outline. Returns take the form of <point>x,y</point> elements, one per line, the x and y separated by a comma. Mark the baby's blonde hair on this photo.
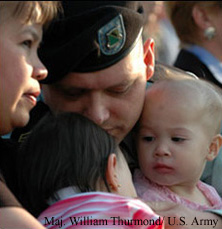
<point>208,97</point>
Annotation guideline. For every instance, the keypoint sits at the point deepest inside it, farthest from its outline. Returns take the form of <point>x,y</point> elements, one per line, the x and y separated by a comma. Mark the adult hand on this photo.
<point>180,217</point>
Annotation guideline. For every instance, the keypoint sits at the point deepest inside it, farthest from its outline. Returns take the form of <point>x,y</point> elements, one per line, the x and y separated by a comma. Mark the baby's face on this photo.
<point>172,140</point>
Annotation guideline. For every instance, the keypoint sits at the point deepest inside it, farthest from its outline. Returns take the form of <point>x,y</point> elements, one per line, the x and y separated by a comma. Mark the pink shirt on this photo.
<point>100,210</point>
<point>149,191</point>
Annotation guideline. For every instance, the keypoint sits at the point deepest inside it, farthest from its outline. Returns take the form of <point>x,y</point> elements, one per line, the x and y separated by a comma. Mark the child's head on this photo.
<point>179,130</point>
<point>20,68</point>
<point>70,150</point>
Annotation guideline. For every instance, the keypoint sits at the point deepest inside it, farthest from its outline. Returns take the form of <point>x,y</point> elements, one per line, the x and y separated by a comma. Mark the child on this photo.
<point>20,69</point>
<point>179,131</point>
<point>68,166</point>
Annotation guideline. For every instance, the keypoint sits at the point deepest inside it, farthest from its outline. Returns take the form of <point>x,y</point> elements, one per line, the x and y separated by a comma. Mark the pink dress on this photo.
<point>100,210</point>
<point>149,191</point>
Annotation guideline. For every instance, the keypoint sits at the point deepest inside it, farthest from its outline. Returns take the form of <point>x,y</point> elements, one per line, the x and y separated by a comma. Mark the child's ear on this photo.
<point>149,59</point>
<point>214,147</point>
<point>111,172</point>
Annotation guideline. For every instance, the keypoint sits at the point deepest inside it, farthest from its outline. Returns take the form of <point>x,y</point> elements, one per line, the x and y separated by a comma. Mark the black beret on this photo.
<point>90,35</point>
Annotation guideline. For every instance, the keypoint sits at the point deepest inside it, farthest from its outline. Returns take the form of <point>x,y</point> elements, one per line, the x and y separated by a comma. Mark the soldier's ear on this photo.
<point>149,58</point>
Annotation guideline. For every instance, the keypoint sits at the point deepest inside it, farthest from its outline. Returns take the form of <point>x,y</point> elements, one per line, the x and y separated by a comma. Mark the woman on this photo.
<point>21,25</point>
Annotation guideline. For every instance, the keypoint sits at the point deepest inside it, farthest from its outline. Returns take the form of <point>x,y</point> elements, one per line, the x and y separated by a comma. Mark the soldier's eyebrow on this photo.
<point>125,83</point>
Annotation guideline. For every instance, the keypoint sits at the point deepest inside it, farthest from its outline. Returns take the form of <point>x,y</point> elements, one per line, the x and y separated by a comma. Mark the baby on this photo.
<point>179,130</point>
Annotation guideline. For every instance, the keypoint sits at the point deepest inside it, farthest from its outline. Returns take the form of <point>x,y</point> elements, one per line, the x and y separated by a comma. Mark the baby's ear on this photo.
<point>214,147</point>
<point>111,172</point>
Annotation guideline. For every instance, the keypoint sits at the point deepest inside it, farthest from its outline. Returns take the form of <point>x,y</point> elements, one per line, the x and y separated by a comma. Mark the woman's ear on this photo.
<point>111,172</point>
<point>214,147</point>
<point>200,17</point>
<point>149,58</point>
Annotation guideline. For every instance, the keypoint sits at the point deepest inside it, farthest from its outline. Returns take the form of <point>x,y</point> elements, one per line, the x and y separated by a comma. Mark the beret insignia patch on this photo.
<point>112,36</point>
